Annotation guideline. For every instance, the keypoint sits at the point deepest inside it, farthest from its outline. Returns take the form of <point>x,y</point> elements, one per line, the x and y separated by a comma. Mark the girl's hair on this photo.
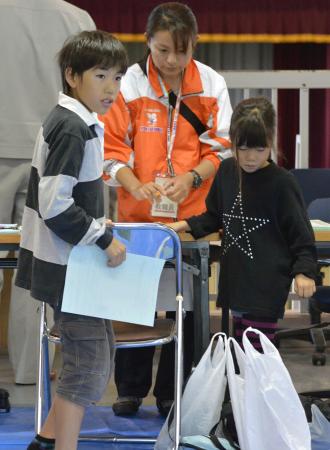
<point>253,123</point>
<point>89,49</point>
<point>176,18</point>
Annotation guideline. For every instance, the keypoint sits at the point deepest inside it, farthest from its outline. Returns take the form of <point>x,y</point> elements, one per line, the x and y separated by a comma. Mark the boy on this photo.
<point>64,208</point>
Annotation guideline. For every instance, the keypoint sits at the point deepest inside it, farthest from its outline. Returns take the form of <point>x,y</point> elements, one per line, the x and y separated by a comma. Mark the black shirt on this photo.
<point>267,237</point>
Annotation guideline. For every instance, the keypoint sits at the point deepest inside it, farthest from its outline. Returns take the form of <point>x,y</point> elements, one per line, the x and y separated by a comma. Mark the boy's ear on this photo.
<point>194,44</point>
<point>70,78</point>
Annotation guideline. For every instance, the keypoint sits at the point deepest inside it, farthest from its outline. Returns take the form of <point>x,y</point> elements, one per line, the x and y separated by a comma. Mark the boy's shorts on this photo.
<point>87,357</point>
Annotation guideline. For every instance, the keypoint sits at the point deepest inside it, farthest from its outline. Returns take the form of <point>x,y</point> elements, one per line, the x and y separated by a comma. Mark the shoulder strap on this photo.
<point>188,114</point>
<point>185,111</point>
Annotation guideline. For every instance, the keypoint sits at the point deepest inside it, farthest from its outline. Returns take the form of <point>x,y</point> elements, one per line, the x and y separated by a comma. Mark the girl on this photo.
<point>267,238</point>
<point>162,140</point>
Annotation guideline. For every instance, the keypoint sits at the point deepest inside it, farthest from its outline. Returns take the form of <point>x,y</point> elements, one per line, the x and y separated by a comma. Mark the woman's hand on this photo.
<point>177,188</point>
<point>148,191</point>
<point>304,286</point>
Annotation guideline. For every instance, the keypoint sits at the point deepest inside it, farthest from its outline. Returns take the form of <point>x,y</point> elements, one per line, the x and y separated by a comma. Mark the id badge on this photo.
<point>165,207</point>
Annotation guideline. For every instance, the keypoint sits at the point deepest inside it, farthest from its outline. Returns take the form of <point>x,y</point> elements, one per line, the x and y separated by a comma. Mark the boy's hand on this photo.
<point>116,253</point>
<point>304,286</point>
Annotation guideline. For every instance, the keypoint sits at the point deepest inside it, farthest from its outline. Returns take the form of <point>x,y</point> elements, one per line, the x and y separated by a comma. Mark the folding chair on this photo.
<point>150,239</point>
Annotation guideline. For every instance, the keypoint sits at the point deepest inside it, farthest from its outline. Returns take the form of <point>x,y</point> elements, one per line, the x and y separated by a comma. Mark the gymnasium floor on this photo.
<point>16,428</point>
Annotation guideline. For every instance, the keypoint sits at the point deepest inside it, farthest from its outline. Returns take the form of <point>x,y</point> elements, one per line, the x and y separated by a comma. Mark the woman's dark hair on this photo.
<point>253,123</point>
<point>90,49</point>
<point>176,18</point>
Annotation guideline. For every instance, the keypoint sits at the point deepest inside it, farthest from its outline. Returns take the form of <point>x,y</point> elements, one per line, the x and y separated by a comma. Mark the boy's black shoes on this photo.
<point>126,406</point>
<point>41,443</point>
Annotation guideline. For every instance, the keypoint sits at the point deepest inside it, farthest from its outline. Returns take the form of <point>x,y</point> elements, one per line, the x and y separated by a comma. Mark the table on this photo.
<point>200,252</point>
<point>199,260</point>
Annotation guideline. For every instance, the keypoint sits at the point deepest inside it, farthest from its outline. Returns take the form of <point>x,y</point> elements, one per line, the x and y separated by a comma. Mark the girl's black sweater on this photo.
<point>267,237</point>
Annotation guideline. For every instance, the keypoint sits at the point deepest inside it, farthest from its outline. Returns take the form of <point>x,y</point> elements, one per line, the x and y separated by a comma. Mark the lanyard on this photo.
<point>171,126</point>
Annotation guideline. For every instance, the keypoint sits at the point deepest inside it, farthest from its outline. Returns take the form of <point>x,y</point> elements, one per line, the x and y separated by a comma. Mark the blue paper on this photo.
<point>127,293</point>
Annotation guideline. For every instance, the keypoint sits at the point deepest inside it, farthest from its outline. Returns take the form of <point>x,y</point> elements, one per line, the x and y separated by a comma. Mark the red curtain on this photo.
<point>264,21</point>
<point>308,57</point>
<point>219,16</point>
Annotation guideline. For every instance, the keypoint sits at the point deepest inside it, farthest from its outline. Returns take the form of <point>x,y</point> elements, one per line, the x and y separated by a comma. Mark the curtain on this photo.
<point>308,57</point>
<point>238,35</point>
<point>223,20</point>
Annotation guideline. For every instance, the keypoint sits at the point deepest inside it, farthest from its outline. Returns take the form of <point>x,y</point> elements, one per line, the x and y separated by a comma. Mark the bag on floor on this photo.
<point>206,443</point>
<point>202,397</point>
<point>320,430</point>
<point>267,411</point>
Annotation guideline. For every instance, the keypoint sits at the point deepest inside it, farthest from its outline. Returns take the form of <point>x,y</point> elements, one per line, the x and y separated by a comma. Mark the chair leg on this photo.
<point>43,392</point>
<point>319,357</point>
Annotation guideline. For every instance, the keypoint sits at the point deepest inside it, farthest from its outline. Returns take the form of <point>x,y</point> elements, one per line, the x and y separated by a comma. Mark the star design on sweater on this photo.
<point>247,224</point>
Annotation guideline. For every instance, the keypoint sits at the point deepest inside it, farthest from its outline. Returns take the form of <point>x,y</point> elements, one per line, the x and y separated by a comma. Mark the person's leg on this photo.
<point>164,384</point>
<point>237,327</point>
<point>267,326</point>
<point>87,363</point>
<point>64,422</point>
<point>68,418</point>
<point>133,378</point>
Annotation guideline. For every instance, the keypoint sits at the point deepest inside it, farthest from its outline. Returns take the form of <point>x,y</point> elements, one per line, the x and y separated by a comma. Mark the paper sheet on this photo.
<point>126,293</point>
<point>318,224</point>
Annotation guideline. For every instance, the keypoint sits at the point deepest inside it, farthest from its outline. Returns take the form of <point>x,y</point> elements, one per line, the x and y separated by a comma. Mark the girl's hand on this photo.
<point>178,188</point>
<point>304,286</point>
<point>116,252</point>
<point>182,225</point>
<point>148,191</point>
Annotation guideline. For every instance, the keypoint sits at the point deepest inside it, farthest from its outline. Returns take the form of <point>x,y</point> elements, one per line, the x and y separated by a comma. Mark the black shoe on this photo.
<point>126,406</point>
<point>164,406</point>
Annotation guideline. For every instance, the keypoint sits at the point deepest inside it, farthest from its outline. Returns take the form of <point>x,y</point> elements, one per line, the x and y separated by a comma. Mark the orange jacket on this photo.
<point>136,133</point>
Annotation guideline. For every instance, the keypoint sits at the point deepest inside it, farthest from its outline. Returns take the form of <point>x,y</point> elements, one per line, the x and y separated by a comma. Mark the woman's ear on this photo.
<point>70,78</point>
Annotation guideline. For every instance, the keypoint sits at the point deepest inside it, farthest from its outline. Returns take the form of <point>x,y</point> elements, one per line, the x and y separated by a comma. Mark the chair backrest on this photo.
<point>319,209</point>
<point>314,183</point>
<point>146,242</point>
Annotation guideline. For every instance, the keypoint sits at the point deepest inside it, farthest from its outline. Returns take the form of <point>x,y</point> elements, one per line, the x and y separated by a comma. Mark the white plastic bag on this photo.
<point>236,383</point>
<point>205,390</point>
<point>267,411</point>
<point>202,397</point>
<point>320,430</point>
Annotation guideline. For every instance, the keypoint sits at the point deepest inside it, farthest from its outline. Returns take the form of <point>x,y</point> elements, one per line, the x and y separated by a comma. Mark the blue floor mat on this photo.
<point>17,428</point>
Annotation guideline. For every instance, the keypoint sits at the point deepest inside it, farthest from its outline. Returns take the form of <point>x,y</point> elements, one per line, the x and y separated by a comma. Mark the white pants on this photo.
<point>23,312</point>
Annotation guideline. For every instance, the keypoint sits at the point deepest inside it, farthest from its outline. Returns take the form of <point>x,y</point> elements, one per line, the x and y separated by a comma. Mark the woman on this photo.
<point>163,138</point>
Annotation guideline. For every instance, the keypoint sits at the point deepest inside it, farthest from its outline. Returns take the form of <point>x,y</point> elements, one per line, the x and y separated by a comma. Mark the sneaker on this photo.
<point>164,406</point>
<point>126,406</point>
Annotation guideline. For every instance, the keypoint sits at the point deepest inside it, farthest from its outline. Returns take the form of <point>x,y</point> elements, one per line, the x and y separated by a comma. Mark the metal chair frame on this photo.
<point>43,391</point>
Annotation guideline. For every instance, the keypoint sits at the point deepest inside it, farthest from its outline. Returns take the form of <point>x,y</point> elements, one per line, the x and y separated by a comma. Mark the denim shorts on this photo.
<point>87,357</point>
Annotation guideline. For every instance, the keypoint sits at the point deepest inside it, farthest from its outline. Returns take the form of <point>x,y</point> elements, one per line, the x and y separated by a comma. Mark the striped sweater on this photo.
<point>64,205</point>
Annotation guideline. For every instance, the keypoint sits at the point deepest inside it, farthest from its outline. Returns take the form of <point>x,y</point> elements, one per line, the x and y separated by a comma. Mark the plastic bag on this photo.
<point>206,443</point>
<point>267,410</point>
<point>202,397</point>
<point>320,430</point>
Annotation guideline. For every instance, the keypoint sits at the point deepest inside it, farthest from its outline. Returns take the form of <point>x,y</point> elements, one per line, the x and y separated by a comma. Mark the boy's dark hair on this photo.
<point>89,49</point>
<point>176,18</point>
<point>253,123</point>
